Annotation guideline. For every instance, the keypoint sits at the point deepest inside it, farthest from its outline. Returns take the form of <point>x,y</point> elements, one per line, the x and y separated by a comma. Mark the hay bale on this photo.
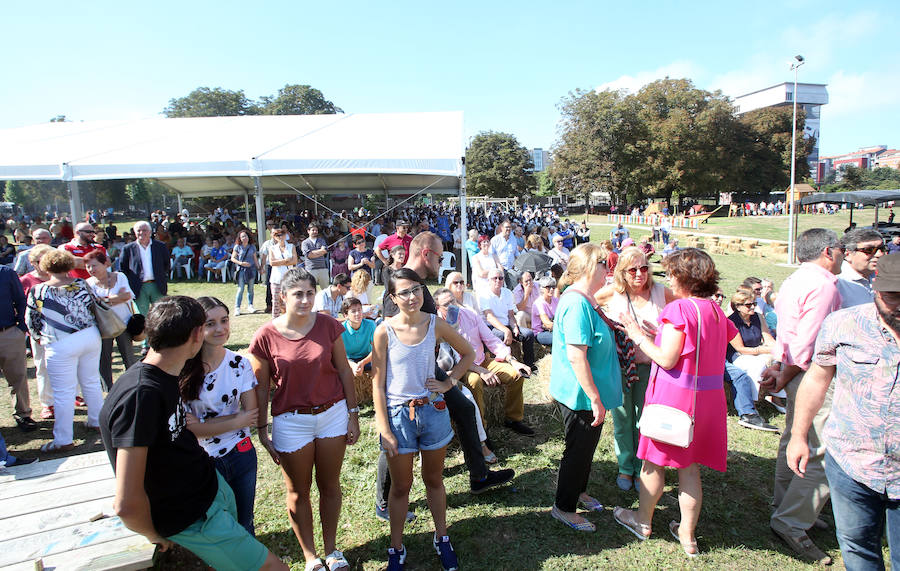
<point>363,384</point>
<point>494,405</point>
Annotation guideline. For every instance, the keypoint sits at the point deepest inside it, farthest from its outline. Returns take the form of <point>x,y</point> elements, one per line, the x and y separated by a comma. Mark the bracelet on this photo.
<point>354,409</point>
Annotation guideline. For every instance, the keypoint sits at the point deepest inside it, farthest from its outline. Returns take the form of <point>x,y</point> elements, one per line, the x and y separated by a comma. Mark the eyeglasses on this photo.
<point>410,293</point>
<point>870,250</point>
<point>719,296</point>
<point>87,231</point>
<point>642,269</point>
<point>757,290</point>
<point>430,251</point>
<point>497,278</point>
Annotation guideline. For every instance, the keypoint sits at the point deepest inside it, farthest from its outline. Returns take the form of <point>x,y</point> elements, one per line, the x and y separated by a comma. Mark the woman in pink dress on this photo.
<point>693,278</point>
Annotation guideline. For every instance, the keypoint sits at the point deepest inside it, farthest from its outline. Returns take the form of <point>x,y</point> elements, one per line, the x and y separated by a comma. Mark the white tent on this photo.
<point>392,153</point>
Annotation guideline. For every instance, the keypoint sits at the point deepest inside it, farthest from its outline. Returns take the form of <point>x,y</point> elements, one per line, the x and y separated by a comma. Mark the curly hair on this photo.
<point>57,262</point>
<point>695,271</point>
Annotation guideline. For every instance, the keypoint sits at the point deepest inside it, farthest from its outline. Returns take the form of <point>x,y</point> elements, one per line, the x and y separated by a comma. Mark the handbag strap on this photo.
<point>696,359</point>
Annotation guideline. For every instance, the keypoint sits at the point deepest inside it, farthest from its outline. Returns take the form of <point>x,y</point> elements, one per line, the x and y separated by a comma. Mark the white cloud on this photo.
<point>633,83</point>
<point>858,93</point>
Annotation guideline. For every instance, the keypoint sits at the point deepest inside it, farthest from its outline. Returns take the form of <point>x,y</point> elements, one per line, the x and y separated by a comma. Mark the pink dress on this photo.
<point>674,387</point>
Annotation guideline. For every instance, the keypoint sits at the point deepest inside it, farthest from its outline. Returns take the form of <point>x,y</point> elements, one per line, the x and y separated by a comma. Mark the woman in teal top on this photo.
<point>585,380</point>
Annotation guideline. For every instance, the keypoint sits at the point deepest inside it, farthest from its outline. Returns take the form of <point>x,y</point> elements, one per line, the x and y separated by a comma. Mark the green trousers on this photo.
<point>626,423</point>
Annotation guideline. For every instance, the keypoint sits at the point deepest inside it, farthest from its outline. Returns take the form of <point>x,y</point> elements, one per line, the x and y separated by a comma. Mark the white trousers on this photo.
<point>482,435</point>
<point>74,360</point>
<point>754,365</point>
<point>45,391</point>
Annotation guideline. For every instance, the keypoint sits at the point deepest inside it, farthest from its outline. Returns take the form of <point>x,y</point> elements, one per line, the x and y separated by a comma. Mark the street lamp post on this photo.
<point>795,65</point>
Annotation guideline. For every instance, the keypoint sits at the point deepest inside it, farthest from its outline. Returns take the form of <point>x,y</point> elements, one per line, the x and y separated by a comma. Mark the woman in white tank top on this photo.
<point>634,293</point>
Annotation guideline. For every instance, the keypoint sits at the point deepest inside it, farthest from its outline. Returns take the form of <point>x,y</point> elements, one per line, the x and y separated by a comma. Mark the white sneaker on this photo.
<point>250,309</point>
<point>237,310</point>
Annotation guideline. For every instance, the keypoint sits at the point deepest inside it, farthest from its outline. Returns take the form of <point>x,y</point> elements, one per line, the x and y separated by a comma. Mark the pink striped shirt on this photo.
<point>473,328</point>
<point>805,299</point>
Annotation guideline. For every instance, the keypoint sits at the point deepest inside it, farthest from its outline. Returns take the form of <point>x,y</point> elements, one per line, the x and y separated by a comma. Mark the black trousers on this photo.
<point>462,412</point>
<point>575,466</point>
<point>268,288</point>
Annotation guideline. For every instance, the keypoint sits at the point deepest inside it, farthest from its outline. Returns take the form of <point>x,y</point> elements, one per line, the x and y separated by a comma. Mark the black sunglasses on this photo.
<point>870,250</point>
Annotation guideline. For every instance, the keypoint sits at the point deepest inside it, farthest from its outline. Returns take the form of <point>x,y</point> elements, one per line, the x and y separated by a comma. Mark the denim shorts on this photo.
<point>430,430</point>
<point>292,431</point>
<point>219,540</point>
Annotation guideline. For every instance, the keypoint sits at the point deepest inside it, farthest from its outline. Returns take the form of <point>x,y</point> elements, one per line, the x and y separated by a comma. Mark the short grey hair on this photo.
<point>40,232</point>
<point>811,243</point>
<point>857,236</point>
<point>142,224</point>
<point>495,272</point>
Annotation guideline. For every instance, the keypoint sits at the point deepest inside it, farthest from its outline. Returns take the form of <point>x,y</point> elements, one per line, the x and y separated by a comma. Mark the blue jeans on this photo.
<point>544,338</point>
<point>741,389</point>
<point>242,283</point>
<point>859,519</point>
<point>526,337</point>
<point>239,470</point>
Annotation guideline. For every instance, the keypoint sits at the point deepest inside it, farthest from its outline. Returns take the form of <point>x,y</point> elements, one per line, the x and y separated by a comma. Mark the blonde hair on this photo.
<point>34,254</point>
<point>359,283</point>
<point>534,242</point>
<point>741,296</point>
<point>582,261</point>
<point>628,256</point>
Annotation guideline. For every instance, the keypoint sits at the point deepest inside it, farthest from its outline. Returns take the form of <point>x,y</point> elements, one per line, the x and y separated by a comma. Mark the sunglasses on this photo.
<point>719,296</point>
<point>749,305</point>
<point>457,282</point>
<point>498,278</point>
<point>642,269</point>
<point>870,250</point>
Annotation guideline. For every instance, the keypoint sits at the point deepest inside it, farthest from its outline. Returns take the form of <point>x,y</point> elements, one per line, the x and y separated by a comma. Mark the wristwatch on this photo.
<point>354,409</point>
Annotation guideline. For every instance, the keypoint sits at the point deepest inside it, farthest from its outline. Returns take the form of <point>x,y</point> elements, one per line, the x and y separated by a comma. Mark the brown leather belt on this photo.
<point>440,405</point>
<point>318,409</point>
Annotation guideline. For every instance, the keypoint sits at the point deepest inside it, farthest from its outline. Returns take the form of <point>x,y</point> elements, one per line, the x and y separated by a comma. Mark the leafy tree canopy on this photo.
<point>218,102</point>
<point>497,165</point>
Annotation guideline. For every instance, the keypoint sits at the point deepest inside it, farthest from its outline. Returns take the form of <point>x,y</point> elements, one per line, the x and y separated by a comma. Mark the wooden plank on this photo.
<point>56,481</point>
<point>43,468</point>
<point>57,498</point>
<point>126,554</point>
<point>61,540</point>
<point>55,518</point>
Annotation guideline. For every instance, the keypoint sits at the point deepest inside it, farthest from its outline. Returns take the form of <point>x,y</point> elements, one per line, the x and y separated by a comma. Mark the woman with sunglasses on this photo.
<point>410,412</point>
<point>634,293</point>
<point>751,351</point>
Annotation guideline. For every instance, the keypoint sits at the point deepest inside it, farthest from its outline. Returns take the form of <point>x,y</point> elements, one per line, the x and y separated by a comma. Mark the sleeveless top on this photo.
<point>408,366</point>
<point>751,334</point>
<point>619,303</point>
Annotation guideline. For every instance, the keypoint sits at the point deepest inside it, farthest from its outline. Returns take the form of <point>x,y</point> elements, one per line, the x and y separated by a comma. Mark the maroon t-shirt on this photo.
<point>302,370</point>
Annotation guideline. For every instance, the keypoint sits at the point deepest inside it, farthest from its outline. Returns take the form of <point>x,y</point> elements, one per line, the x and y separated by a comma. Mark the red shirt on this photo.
<point>79,251</point>
<point>302,370</point>
<point>29,280</point>
<point>358,231</point>
<point>394,240</point>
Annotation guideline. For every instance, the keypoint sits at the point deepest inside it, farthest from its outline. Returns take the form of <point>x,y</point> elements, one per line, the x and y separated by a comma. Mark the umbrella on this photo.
<point>534,262</point>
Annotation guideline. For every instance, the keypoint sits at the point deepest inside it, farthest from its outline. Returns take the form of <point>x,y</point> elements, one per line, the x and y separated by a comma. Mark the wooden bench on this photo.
<point>58,514</point>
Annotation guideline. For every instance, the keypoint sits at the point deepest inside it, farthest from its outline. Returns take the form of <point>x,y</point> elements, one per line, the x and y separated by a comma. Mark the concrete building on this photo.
<point>541,159</point>
<point>864,158</point>
<point>810,98</point>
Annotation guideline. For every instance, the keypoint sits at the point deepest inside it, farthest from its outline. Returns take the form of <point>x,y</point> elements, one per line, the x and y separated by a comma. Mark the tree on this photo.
<point>298,100</point>
<point>765,161</point>
<point>206,102</point>
<point>147,192</point>
<point>545,185</point>
<point>59,119</point>
<point>36,195</point>
<point>497,165</point>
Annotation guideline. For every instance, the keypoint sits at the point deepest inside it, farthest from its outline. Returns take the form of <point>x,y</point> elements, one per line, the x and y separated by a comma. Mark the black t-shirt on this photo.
<point>428,305</point>
<point>144,409</point>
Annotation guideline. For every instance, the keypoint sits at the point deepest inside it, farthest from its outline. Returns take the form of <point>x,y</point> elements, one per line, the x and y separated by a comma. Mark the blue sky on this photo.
<point>506,65</point>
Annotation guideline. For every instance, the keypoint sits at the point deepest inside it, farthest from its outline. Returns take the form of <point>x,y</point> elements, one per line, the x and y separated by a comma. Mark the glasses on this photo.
<point>757,290</point>
<point>410,293</point>
<point>870,250</point>
<point>642,269</point>
<point>457,282</point>
<point>430,251</point>
<point>87,231</point>
<point>498,278</point>
<point>747,305</point>
<point>719,296</point>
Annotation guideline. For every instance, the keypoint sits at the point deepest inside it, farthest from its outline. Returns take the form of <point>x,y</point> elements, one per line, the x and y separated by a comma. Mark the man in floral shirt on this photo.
<point>858,349</point>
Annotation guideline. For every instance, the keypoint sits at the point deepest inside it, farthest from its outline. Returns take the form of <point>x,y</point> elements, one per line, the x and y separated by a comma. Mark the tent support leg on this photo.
<point>75,202</point>
<point>180,203</point>
<point>247,208</point>
<point>875,226</point>
<point>463,230</point>
<point>260,211</point>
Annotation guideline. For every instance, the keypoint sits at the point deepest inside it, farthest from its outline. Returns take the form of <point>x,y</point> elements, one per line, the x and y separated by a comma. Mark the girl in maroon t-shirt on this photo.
<point>314,410</point>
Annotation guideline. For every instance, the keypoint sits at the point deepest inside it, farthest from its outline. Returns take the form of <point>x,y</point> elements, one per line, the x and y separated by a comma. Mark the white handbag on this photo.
<point>667,424</point>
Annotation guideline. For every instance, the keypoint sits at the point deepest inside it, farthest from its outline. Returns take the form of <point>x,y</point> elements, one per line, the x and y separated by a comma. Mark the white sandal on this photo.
<point>336,561</point>
<point>314,565</point>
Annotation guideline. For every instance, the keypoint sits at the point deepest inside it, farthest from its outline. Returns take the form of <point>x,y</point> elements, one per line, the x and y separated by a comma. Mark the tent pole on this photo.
<point>463,231</point>
<point>852,208</point>
<point>75,202</point>
<point>246,208</point>
<point>260,212</point>
<point>875,226</point>
<point>180,203</point>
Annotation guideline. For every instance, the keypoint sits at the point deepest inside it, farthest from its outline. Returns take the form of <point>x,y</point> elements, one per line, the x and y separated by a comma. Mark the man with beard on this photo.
<point>858,349</point>
<point>805,299</point>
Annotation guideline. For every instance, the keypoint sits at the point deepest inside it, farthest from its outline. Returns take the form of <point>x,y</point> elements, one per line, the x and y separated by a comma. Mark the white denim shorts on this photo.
<point>292,431</point>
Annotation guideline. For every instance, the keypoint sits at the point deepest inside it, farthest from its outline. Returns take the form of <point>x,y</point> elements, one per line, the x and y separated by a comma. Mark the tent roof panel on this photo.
<point>867,197</point>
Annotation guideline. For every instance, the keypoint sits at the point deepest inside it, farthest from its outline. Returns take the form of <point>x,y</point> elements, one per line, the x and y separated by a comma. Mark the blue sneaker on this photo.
<point>445,552</point>
<point>396,559</point>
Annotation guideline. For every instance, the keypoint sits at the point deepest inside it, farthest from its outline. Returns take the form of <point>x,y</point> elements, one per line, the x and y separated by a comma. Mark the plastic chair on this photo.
<point>448,264</point>
<point>186,267</point>
<point>223,272</point>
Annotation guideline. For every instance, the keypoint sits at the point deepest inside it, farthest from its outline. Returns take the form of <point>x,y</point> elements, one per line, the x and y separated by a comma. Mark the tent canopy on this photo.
<point>215,156</point>
<point>866,197</point>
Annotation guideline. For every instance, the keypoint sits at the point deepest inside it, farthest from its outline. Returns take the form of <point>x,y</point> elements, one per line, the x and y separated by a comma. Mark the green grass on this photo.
<point>511,528</point>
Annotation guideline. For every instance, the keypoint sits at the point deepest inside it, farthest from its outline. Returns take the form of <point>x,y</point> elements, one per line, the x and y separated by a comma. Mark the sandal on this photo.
<point>54,447</point>
<point>690,547</point>
<point>336,561</point>
<point>591,504</point>
<point>625,518</point>
<point>315,565</point>
<point>491,458</point>
<point>559,515</point>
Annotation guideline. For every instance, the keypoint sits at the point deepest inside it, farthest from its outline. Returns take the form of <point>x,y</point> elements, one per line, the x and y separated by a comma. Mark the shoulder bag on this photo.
<point>667,424</point>
<point>108,322</point>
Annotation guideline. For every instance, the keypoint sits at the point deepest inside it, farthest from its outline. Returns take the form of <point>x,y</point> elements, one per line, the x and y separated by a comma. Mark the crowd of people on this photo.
<point>177,424</point>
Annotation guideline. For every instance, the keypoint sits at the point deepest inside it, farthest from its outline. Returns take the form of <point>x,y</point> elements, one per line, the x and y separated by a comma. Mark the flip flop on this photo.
<point>625,518</point>
<point>591,504</point>
<point>54,447</point>
<point>558,515</point>
<point>673,529</point>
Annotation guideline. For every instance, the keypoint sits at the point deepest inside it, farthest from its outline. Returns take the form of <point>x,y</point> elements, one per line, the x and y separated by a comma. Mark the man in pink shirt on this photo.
<point>805,299</point>
<point>503,369</point>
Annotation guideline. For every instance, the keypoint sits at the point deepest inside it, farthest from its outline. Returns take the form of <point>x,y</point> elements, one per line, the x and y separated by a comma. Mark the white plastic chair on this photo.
<point>448,264</point>
<point>223,272</point>
<point>186,267</point>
